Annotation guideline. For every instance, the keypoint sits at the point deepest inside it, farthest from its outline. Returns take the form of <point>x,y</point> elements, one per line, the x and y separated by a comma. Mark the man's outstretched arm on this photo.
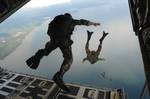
<point>84,60</point>
<point>85,22</point>
<point>101,59</point>
<point>93,23</point>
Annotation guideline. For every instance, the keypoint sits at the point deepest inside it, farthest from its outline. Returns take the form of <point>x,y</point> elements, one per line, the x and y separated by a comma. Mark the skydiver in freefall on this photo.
<point>93,56</point>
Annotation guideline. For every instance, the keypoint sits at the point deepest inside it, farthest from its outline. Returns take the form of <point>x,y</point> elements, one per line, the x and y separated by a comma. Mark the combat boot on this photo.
<point>58,79</point>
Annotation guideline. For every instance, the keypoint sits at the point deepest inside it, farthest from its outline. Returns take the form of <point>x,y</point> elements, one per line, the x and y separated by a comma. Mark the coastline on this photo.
<point>15,41</point>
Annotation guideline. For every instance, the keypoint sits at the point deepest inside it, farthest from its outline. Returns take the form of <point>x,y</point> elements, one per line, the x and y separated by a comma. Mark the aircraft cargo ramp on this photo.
<point>21,86</point>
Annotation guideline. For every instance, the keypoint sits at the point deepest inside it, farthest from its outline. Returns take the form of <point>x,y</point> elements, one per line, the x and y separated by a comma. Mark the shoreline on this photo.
<point>14,42</point>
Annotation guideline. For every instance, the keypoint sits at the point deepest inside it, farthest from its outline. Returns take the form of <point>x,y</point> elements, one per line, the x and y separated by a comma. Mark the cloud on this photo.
<point>107,2</point>
<point>42,3</point>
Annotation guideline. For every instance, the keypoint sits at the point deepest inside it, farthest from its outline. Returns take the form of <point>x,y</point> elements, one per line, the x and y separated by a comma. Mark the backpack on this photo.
<point>59,27</point>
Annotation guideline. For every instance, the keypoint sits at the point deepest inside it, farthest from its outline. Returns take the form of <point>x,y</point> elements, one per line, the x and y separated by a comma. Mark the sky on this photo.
<point>42,3</point>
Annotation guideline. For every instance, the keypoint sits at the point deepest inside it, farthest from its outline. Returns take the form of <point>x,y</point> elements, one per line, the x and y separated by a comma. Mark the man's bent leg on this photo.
<point>34,61</point>
<point>102,38</point>
<point>87,50</point>
<point>99,49</point>
<point>89,34</point>
<point>101,41</point>
<point>49,47</point>
<point>66,65</point>
<point>87,43</point>
<point>68,59</point>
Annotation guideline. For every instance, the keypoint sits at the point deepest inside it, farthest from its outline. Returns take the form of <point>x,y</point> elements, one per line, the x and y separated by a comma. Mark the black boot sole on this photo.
<point>33,64</point>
